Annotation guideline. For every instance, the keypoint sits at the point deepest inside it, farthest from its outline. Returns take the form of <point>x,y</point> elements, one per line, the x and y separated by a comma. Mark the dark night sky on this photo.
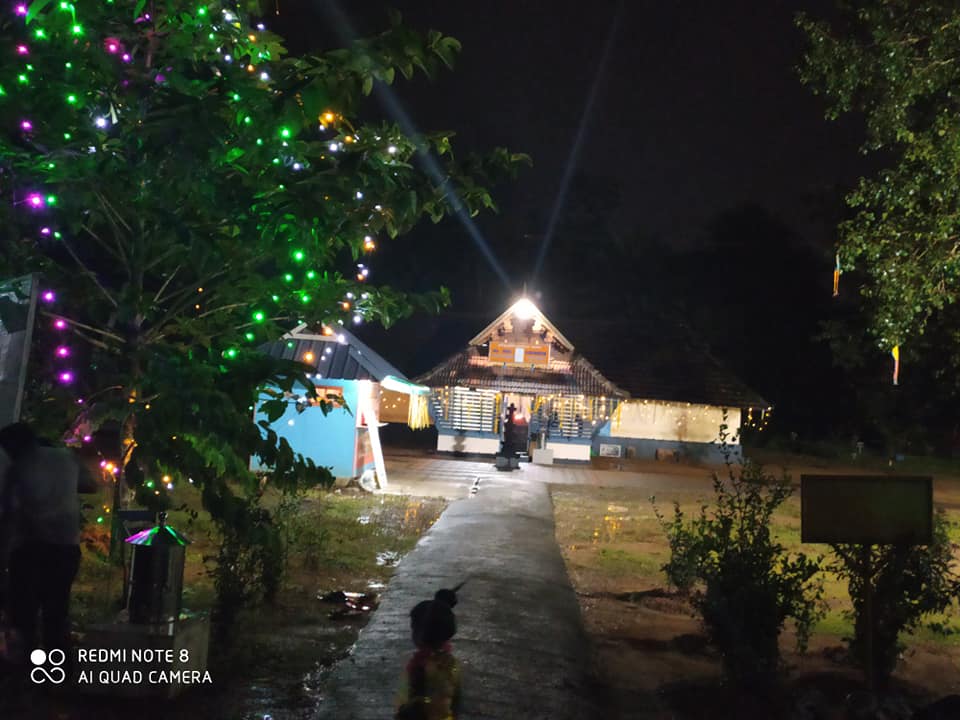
<point>699,110</point>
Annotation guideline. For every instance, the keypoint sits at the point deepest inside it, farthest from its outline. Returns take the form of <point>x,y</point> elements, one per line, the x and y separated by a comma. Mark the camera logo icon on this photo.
<point>40,674</point>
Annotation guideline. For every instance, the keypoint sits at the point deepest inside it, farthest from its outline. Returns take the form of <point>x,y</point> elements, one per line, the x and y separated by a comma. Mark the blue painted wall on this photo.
<point>329,440</point>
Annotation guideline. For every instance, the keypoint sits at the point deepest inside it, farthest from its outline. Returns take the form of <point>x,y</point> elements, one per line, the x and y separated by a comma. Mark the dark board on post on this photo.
<point>869,509</point>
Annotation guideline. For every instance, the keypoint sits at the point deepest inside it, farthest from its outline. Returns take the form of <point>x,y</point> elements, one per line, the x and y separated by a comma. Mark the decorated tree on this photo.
<point>188,191</point>
<point>894,63</point>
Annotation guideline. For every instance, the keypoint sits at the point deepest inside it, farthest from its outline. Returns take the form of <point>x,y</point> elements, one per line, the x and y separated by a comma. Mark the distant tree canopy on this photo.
<point>896,63</point>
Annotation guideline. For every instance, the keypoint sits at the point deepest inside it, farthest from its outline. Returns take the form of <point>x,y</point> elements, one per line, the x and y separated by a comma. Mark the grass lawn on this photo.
<point>648,641</point>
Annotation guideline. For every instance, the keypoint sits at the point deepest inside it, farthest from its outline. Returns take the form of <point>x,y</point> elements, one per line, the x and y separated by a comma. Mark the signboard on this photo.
<point>610,450</point>
<point>511,354</point>
<point>18,305</point>
<point>868,509</point>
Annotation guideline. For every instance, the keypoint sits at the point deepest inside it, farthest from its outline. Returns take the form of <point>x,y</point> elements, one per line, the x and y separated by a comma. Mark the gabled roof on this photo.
<point>522,309</point>
<point>644,356</point>
<point>566,373</point>
<point>469,368</point>
<point>339,355</point>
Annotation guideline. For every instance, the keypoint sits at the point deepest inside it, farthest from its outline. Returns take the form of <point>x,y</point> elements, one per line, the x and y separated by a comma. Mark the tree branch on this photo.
<point>89,273</point>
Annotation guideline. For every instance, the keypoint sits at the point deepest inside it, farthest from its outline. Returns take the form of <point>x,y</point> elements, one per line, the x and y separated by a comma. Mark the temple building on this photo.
<point>567,410</point>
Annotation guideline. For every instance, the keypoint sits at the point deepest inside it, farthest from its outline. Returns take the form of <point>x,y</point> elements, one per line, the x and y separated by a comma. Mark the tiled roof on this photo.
<point>470,369</point>
<point>341,356</point>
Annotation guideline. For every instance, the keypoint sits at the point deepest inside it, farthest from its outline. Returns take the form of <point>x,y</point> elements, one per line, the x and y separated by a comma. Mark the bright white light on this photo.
<point>100,122</point>
<point>264,76</point>
<point>261,26</point>
<point>357,319</point>
<point>342,339</point>
<point>333,147</point>
<point>227,58</point>
<point>297,166</point>
<point>359,195</point>
<point>392,149</point>
<point>228,16</point>
<point>169,486</point>
<point>290,422</point>
<point>524,309</point>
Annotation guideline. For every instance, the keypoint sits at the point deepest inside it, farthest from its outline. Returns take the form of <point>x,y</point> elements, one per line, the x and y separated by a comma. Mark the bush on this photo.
<point>743,583</point>
<point>909,582</point>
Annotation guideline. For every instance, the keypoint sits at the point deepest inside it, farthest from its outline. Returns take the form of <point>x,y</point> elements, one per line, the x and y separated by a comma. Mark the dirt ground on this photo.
<point>651,659</point>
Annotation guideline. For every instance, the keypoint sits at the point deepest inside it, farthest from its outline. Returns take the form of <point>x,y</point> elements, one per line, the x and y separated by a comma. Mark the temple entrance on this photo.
<point>516,436</point>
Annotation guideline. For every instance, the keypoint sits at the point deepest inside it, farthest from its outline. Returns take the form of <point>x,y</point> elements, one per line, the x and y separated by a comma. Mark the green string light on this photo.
<point>23,79</point>
<point>259,141</point>
<point>77,30</point>
<point>51,199</point>
<point>311,275</point>
<point>285,133</point>
<point>249,336</point>
<point>288,277</point>
<point>259,317</point>
<point>231,353</point>
<point>72,99</point>
<point>305,299</point>
<point>40,34</point>
<point>201,11</point>
<point>298,255</point>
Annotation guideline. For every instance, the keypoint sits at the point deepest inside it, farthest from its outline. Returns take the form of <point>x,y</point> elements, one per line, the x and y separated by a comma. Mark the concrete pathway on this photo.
<point>520,639</point>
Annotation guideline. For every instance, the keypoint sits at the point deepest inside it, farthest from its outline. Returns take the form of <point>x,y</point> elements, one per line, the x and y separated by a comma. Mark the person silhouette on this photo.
<point>431,683</point>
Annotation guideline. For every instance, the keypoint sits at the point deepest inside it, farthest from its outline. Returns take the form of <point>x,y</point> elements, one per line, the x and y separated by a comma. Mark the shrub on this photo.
<point>743,582</point>
<point>909,582</point>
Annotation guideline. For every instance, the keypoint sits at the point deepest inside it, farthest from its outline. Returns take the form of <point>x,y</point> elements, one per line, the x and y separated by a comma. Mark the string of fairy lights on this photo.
<point>55,50</point>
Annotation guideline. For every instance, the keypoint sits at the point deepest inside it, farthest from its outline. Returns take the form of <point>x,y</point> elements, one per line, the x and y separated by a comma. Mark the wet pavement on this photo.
<point>520,638</point>
<point>432,476</point>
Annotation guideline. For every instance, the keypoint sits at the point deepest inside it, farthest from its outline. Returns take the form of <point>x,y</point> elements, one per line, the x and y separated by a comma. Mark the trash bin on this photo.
<point>156,574</point>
